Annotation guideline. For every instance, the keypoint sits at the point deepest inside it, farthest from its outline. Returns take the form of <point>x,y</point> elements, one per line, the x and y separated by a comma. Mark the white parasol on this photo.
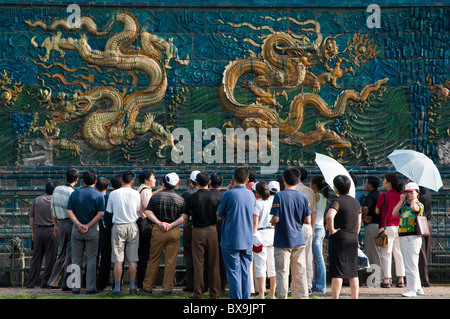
<point>331,168</point>
<point>418,167</point>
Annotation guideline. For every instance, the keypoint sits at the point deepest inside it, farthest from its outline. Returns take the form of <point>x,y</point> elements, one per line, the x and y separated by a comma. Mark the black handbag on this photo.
<point>381,239</point>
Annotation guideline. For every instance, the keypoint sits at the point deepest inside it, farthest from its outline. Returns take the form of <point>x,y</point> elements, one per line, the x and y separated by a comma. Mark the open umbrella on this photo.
<point>418,167</point>
<point>331,168</point>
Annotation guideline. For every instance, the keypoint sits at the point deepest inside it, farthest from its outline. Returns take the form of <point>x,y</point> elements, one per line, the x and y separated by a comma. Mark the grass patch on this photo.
<point>18,296</point>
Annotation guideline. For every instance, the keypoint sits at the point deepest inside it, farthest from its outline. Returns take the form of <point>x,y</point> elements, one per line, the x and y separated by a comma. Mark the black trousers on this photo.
<point>45,245</point>
<point>187,252</point>
<point>423,259</point>
<point>104,269</point>
<point>145,227</point>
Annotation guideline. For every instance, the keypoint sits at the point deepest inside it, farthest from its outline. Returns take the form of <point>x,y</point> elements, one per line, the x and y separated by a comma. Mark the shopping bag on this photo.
<point>363,260</point>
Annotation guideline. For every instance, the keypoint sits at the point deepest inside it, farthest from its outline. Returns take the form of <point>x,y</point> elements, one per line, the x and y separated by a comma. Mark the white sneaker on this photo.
<point>409,294</point>
<point>420,292</point>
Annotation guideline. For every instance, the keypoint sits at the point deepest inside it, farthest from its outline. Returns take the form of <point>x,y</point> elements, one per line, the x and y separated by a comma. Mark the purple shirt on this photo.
<point>41,212</point>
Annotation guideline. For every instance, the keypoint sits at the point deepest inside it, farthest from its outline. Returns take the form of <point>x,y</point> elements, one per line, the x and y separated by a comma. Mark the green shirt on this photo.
<point>408,220</point>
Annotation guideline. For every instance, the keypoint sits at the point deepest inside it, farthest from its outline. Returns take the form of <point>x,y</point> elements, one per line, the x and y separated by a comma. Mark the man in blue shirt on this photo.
<point>290,210</point>
<point>236,209</point>
<point>86,208</point>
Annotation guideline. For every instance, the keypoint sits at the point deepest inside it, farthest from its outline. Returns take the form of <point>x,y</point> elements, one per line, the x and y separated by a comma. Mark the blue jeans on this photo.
<point>319,281</point>
<point>237,264</point>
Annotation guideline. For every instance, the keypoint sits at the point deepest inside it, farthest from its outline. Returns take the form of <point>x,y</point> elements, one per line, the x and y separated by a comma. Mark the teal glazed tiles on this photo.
<point>196,42</point>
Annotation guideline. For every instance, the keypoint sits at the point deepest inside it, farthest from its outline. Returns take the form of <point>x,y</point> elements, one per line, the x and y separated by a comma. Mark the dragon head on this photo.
<point>299,52</point>
<point>329,49</point>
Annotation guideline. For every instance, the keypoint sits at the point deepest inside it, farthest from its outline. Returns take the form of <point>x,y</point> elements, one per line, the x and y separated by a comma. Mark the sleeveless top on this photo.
<point>320,210</point>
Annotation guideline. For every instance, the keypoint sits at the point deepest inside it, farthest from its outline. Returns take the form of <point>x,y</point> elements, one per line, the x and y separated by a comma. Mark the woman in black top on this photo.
<point>343,222</point>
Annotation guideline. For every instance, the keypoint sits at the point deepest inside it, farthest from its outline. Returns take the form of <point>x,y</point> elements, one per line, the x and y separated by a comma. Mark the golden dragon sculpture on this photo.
<point>285,63</point>
<point>106,128</point>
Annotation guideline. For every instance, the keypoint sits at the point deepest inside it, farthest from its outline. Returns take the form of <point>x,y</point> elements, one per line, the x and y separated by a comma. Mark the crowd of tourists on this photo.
<point>258,236</point>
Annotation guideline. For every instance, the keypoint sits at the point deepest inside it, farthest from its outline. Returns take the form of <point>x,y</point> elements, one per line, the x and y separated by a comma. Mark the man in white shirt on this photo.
<point>124,203</point>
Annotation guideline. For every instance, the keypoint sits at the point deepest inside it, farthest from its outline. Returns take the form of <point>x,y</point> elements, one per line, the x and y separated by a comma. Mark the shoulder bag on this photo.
<point>422,226</point>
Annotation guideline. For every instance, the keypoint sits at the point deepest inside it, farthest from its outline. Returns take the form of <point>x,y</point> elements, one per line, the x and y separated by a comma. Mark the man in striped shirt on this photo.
<point>165,210</point>
<point>63,228</point>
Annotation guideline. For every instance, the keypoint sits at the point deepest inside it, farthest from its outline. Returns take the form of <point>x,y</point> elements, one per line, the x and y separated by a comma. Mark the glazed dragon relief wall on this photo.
<point>112,91</point>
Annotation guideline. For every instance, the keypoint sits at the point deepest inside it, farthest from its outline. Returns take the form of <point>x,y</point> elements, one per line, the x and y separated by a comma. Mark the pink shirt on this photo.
<point>392,199</point>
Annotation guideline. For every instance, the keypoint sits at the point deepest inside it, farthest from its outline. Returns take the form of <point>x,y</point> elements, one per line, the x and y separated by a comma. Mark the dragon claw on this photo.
<point>163,136</point>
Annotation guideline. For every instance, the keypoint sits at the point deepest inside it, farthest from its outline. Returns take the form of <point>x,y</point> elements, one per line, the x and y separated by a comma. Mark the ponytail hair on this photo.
<point>263,189</point>
<point>393,179</point>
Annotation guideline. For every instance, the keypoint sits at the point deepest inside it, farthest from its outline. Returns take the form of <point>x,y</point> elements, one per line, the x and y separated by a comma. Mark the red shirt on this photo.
<point>392,199</point>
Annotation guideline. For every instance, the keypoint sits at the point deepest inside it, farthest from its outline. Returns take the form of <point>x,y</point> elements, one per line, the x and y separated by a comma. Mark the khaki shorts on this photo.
<point>124,241</point>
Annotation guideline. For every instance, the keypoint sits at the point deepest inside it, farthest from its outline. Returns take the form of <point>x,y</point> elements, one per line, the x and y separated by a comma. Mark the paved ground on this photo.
<point>433,292</point>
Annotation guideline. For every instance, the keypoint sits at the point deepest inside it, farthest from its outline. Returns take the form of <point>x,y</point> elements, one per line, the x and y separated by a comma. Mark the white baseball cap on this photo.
<point>172,179</point>
<point>411,186</point>
<point>254,186</point>
<point>274,186</point>
<point>193,176</point>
